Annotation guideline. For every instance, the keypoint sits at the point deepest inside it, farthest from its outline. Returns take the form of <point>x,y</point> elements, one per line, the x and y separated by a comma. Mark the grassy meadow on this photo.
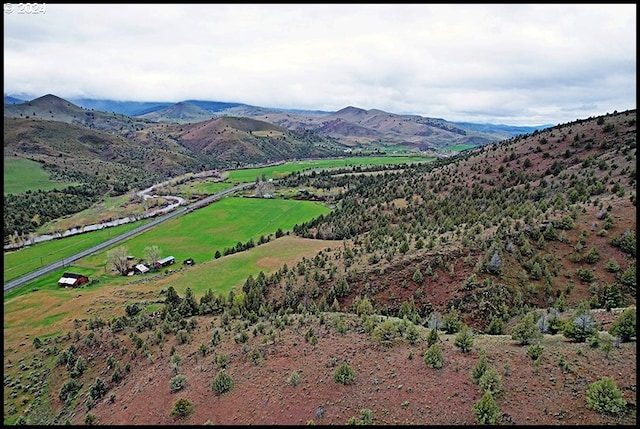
<point>43,309</point>
<point>461,147</point>
<point>195,235</point>
<point>217,226</point>
<point>22,175</point>
<point>279,171</point>
<point>202,187</point>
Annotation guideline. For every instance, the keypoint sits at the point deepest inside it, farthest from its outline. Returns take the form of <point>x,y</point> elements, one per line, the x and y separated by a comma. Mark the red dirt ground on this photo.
<point>398,390</point>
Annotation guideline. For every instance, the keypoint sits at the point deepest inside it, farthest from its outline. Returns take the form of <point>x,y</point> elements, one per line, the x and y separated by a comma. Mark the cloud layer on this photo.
<point>511,64</point>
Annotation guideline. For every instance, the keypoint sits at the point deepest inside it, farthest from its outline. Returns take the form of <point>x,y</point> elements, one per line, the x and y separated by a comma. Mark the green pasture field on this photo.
<point>230,272</point>
<point>28,259</point>
<point>43,309</point>
<point>203,187</point>
<point>461,147</point>
<point>195,235</point>
<point>218,226</point>
<point>185,237</point>
<point>22,175</point>
<point>279,171</point>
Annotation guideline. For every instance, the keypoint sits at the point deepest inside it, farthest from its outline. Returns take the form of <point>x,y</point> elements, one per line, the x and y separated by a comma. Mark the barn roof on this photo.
<point>167,259</point>
<point>142,268</point>
<point>70,278</point>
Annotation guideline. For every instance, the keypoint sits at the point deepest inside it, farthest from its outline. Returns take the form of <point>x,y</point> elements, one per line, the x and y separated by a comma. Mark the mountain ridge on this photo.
<point>189,111</point>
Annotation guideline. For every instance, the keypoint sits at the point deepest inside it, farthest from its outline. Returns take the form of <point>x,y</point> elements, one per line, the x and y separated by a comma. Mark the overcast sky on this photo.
<point>502,64</point>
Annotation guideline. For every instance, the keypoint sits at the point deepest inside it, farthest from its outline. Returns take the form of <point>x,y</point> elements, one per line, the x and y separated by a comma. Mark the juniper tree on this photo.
<point>624,326</point>
<point>412,335</point>
<point>464,339</point>
<point>496,326</point>
<point>604,397</point>
<point>181,408</point>
<point>222,383</point>
<point>526,330</point>
<point>433,337</point>
<point>481,366</point>
<point>433,357</point>
<point>486,410</point>
<point>491,381</point>
<point>451,321</point>
<point>417,276</point>
<point>582,327</point>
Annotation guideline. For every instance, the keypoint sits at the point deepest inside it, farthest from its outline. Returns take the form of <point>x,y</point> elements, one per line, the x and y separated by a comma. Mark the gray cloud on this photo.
<point>514,64</point>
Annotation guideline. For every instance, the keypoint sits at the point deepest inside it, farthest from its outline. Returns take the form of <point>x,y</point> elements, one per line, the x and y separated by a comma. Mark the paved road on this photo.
<point>67,261</point>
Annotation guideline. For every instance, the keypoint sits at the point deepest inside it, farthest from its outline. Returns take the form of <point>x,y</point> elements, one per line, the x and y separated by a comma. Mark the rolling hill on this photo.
<point>359,128</point>
<point>37,129</point>
<point>532,237</point>
<point>351,126</point>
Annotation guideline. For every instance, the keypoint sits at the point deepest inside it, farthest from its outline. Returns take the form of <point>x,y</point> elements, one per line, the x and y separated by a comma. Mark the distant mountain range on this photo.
<point>73,141</point>
<point>351,126</point>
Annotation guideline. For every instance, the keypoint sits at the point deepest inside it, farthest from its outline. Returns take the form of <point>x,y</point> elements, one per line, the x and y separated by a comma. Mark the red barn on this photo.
<point>72,280</point>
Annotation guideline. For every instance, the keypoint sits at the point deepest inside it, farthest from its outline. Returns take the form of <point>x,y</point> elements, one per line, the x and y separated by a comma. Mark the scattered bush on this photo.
<point>385,333</point>
<point>90,419</point>
<point>294,378</point>
<point>69,390</point>
<point>177,383</point>
<point>624,326</point>
<point>344,374</point>
<point>181,408</point>
<point>604,397</point>
<point>535,351</point>
<point>97,389</point>
<point>433,337</point>
<point>222,383</point>
<point>433,357</point>
<point>486,410</point>
<point>496,326</point>
<point>481,366</point>
<point>582,327</point>
<point>412,335</point>
<point>464,339</point>
<point>366,418</point>
<point>526,330</point>
<point>491,381</point>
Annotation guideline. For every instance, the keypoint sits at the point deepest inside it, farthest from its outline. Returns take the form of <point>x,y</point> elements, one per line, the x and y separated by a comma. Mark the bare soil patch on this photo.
<point>393,382</point>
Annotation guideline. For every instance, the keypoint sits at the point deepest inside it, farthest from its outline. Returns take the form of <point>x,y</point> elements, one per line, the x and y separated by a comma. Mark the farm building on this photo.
<point>165,262</point>
<point>140,268</point>
<point>72,280</point>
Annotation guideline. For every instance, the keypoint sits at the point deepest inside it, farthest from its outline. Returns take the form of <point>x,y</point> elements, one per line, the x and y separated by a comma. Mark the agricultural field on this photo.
<point>197,235</point>
<point>460,147</point>
<point>59,306</point>
<point>28,259</point>
<point>282,170</point>
<point>22,175</point>
<point>206,186</point>
<point>221,225</point>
